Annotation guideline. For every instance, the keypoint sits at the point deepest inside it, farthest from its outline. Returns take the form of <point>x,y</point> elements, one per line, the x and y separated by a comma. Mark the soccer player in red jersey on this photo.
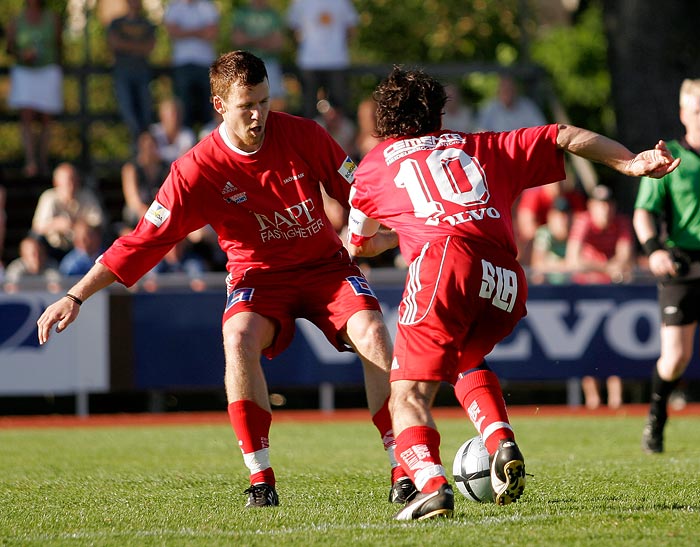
<point>257,181</point>
<point>449,195</point>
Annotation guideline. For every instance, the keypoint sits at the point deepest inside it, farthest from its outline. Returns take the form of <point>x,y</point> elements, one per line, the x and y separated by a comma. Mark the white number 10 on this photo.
<point>451,174</point>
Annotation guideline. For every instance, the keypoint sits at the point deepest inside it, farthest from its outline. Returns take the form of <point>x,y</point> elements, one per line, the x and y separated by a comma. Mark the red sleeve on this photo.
<point>172,216</point>
<point>535,150</point>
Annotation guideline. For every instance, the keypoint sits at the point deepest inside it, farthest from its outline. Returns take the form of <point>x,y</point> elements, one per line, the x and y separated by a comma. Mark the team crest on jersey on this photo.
<point>360,286</point>
<point>157,214</point>
<point>239,295</point>
<point>347,169</point>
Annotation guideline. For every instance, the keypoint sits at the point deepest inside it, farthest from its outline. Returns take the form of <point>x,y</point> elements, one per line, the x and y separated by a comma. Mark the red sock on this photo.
<point>479,393</point>
<point>418,451</point>
<point>251,424</point>
<point>382,421</point>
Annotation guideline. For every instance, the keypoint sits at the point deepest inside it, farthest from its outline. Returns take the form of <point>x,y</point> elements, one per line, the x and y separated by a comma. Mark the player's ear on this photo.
<point>219,104</point>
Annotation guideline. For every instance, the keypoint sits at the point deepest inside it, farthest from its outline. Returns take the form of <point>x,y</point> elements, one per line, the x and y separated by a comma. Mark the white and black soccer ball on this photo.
<point>471,471</point>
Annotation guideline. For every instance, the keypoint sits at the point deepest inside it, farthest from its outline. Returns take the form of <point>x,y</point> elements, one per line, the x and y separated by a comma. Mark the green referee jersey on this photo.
<point>676,198</point>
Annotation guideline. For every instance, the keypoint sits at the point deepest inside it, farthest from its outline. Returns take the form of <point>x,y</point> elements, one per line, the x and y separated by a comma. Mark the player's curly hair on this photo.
<point>235,67</point>
<point>409,103</point>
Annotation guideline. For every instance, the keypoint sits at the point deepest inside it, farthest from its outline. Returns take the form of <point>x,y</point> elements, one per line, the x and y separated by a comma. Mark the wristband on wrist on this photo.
<point>652,244</point>
<point>74,298</point>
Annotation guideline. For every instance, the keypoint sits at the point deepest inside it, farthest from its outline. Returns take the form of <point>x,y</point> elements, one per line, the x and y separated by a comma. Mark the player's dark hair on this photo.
<point>236,67</point>
<point>409,103</point>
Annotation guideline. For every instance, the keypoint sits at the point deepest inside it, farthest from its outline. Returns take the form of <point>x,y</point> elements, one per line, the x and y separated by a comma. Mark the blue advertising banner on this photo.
<point>569,331</point>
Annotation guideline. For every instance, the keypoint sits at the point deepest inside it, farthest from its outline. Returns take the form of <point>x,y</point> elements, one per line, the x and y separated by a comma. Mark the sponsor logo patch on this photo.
<point>228,188</point>
<point>347,169</point>
<point>670,310</point>
<point>237,198</point>
<point>239,295</point>
<point>360,286</point>
<point>157,214</point>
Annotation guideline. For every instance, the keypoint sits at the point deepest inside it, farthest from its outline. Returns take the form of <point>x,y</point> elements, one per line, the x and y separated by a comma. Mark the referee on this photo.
<point>673,203</point>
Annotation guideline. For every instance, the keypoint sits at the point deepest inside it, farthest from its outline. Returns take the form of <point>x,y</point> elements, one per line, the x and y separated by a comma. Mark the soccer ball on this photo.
<point>471,471</point>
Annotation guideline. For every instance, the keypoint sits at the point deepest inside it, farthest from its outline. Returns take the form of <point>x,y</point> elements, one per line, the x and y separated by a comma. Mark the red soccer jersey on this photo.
<point>266,207</point>
<point>449,183</point>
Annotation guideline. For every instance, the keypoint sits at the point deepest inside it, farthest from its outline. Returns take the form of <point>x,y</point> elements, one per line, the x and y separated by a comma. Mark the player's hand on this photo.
<point>655,163</point>
<point>61,313</point>
<point>661,264</point>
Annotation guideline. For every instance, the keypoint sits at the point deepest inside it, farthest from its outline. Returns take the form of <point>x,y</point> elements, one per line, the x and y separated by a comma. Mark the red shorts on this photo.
<point>460,300</point>
<point>327,294</point>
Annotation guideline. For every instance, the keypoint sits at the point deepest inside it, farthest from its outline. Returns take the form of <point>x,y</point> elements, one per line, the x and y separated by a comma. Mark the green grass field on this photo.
<point>182,485</point>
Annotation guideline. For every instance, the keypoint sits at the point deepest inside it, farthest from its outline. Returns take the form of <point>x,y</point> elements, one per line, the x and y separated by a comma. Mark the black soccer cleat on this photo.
<point>507,473</point>
<point>402,491</point>
<point>440,503</point>
<point>262,495</point>
<point>653,434</point>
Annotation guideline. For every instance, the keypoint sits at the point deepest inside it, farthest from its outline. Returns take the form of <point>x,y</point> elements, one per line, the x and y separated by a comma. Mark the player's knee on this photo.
<point>672,366</point>
<point>368,331</point>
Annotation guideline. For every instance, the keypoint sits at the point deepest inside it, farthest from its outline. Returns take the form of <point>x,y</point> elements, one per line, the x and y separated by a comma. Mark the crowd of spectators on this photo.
<point>564,235</point>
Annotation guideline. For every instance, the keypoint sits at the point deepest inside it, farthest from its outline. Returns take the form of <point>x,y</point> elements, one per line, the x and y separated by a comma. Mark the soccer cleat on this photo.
<point>262,495</point>
<point>440,503</point>
<point>653,434</point>
<point>507,473</point>
<point>402,491</point>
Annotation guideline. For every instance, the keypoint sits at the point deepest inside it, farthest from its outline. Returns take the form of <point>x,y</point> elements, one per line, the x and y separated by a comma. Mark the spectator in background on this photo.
<point>592,395</point>
<point>457,116</point>
<point>59,207</point>
<point>533,208</point>
<point>33,263</point>
<point>341,128</point>
<point>141,179</point>
<point>193,27</point>
<point>34,38</point>
<point>600,248</point>
<point>87,246</point>
<point>323,30</point>
<point>259,28</point>
<point>131,39</point>
<point>366,126</point>
<point>509,110</point>
<point>548,264</point>
<point>172,136</point>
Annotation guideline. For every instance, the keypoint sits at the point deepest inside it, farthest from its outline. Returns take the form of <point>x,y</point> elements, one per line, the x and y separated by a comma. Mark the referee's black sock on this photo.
<point>660,392</point>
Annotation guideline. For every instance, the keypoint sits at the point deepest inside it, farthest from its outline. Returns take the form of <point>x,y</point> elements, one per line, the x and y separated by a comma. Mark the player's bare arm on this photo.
<point>382,241</point>
<point>654,163</point>
<point>64,311</point>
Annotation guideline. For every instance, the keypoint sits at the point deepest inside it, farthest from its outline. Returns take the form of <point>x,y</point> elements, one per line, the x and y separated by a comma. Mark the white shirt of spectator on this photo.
<point>192,15</point>
<point>323,26</point>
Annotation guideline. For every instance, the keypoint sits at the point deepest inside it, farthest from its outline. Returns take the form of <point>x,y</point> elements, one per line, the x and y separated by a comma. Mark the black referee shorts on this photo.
<point>679,303</point>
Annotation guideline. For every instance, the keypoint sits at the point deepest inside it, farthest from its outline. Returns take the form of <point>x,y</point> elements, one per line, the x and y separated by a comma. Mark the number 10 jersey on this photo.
<point>450,183</point>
